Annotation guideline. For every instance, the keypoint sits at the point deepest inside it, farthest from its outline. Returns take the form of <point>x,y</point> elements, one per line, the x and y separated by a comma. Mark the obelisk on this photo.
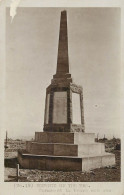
<point>59,109</point>
<point>62,61</point>
<point>64,146</point>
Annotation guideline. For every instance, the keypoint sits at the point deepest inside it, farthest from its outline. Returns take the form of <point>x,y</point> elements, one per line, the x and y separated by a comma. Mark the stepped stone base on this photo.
<point>64,137</point>
<point>64,152</point>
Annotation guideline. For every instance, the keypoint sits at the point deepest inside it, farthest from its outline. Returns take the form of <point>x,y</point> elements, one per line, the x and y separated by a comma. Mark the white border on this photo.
<point>100,187</point>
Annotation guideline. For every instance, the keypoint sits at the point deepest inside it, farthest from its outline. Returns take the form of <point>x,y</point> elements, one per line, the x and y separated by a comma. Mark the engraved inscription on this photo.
<point>60,108</point>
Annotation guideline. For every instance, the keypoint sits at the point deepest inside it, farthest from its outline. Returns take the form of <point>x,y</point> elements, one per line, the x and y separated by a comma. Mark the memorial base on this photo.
<point>64,152</point>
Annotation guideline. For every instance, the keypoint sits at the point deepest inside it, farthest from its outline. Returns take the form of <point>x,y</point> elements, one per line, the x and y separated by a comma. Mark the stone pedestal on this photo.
<point>63,151</point>
<point>64,108</point>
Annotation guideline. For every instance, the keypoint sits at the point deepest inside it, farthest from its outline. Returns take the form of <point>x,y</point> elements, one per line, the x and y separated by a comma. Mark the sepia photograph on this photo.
<point>62,121</point>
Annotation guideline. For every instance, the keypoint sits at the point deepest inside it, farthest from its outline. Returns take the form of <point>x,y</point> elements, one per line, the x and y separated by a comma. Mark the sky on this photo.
<point>94,60</point>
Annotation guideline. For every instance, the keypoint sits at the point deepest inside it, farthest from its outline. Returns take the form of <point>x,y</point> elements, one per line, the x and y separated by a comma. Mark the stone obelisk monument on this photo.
<point>61,93</point>
<point>64,145</point>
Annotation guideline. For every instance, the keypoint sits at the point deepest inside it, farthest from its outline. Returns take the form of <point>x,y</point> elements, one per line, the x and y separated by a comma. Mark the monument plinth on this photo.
<point>63,145</point>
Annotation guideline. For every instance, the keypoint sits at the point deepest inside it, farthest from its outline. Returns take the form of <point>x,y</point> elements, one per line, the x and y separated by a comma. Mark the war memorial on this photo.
<point>64,145</point>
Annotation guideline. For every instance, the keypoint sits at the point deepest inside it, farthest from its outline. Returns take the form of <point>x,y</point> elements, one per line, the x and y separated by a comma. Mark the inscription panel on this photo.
<point>60,107</point>
<point>76,110</point>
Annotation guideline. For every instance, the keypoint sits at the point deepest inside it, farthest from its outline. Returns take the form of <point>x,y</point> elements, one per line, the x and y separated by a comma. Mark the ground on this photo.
<point>106,174</point>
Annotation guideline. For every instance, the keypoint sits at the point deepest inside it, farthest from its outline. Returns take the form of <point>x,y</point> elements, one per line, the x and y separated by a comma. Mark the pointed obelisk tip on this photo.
<point>63,12</point>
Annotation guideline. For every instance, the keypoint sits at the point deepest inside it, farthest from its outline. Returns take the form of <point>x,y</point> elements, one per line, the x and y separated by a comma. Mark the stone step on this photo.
<point>64,163</point>
<point>91,149</point>
<point>65,137</point>
<point>93,162</point>
<point>63,149</point>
